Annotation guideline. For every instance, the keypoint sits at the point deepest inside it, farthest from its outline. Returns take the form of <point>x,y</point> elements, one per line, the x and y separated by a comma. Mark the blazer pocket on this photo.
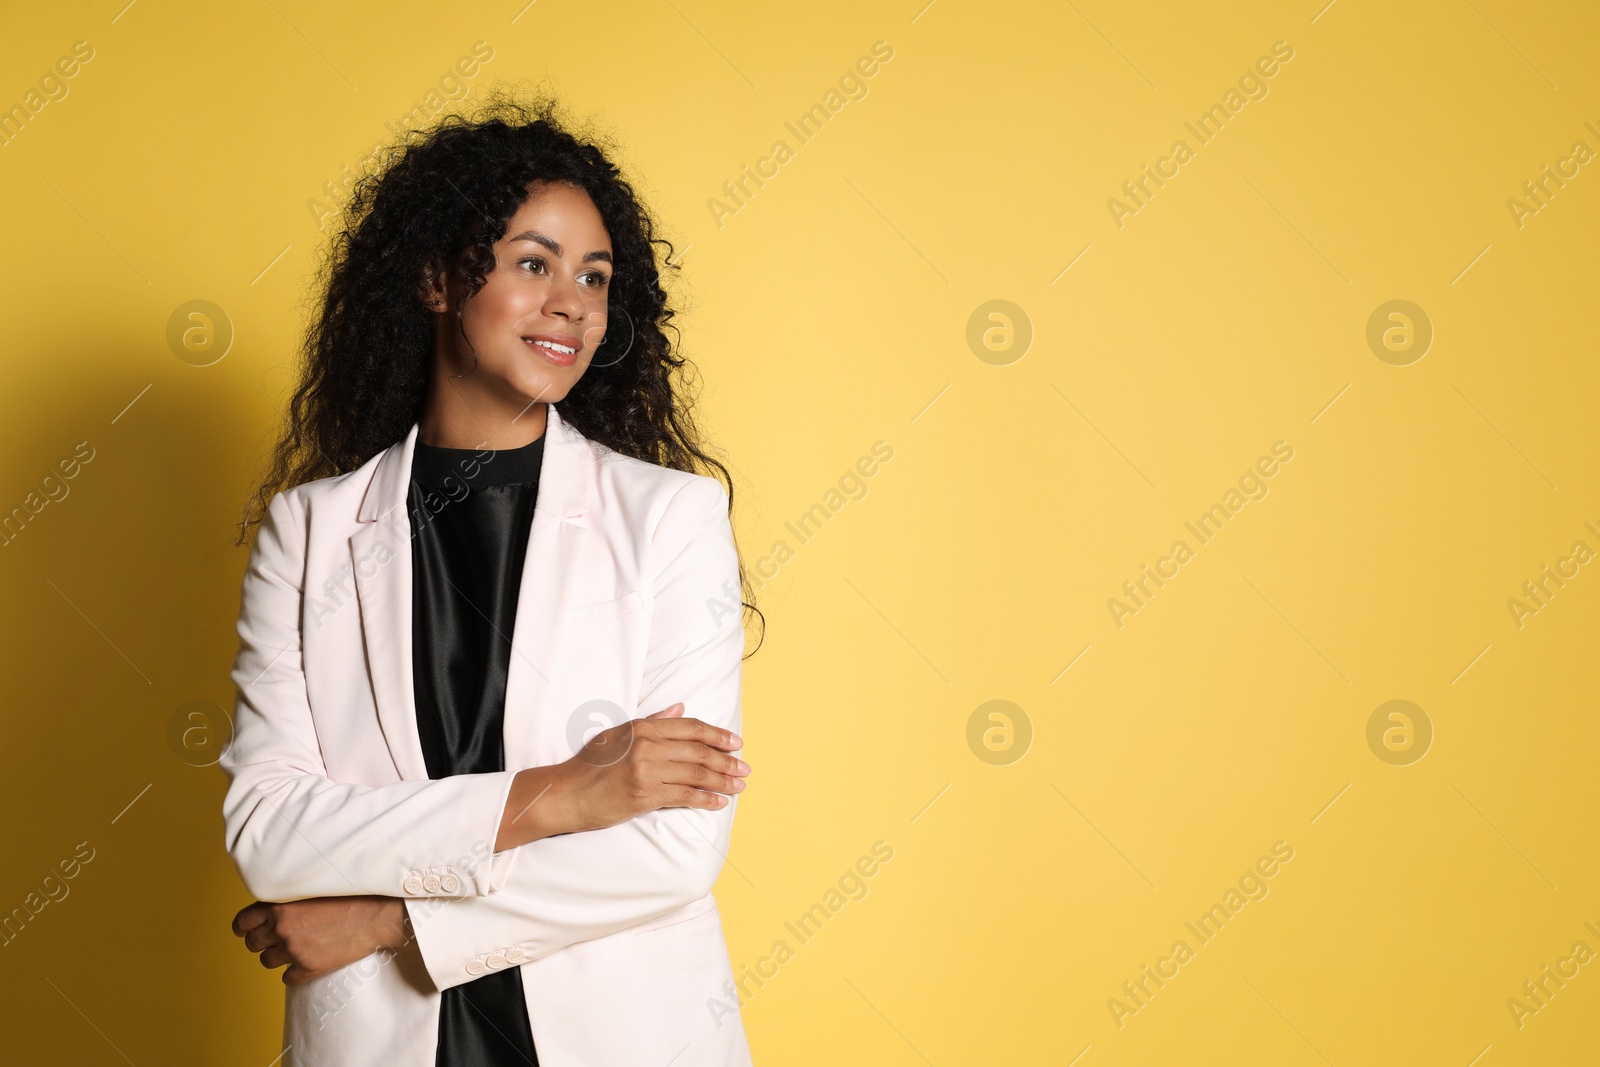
<point>625,604</point>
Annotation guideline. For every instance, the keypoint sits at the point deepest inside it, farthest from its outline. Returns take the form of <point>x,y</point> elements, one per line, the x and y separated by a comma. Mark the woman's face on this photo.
<point>532,329</point>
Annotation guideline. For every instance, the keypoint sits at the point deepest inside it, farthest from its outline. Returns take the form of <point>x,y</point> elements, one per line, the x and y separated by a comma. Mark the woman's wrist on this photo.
<point>393,925</point>
<point>538,806</point>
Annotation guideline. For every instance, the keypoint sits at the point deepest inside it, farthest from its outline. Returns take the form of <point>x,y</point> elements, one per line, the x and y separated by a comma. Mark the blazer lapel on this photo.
<point>380,553</point>
<point>381,559</point>
<point>560,518</point>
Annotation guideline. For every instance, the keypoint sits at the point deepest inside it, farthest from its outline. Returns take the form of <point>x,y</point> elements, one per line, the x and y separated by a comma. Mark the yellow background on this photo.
<point>830,312</point>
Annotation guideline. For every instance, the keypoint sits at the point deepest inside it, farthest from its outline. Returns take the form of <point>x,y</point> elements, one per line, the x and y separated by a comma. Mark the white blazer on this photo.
<point>629,600</point>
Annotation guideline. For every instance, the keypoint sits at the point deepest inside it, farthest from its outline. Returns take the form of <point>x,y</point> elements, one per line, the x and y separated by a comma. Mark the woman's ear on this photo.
<point>432,291</point>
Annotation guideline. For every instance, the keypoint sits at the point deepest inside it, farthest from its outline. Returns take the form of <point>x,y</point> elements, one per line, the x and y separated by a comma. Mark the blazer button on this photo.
<point>496,961</point>
<point>412,884</point>
<point>431,883</point>
<point>450,883</point>
<point>475,967</point>
<point>516,955</point>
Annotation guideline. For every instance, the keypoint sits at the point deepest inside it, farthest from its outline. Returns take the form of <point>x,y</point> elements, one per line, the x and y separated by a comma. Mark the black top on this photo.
<point>470,515</point>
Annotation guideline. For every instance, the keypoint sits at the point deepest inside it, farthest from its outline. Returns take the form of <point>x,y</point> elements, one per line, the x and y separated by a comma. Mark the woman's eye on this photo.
<point>595,279</point>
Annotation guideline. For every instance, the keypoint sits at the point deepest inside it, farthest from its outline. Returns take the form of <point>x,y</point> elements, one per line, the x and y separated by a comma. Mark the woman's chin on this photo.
<point>547,383</point>
<point>532,389</point>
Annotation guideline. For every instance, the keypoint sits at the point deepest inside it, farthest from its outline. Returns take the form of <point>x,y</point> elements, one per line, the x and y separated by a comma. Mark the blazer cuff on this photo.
<point>439,948</point>
<point>477,870</point>
<point>500,868</point>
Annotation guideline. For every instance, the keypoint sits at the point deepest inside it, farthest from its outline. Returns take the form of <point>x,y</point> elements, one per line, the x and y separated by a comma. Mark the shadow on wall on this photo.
<point>122,586</point>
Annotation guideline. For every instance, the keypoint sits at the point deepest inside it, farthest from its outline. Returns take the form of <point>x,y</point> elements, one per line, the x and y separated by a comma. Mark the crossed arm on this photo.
<point>636,825</point>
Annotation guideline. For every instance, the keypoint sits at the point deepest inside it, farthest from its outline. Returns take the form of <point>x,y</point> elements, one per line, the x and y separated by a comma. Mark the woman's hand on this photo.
<point>318,936</point>
<point>661,761</point>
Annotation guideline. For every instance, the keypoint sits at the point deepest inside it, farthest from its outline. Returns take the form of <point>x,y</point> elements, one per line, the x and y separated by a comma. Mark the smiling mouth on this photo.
<point>554,351</point>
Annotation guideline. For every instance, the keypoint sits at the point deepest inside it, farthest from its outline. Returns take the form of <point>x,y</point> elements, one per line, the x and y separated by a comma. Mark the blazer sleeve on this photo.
<point>294,833</point>
<point>578,886</point>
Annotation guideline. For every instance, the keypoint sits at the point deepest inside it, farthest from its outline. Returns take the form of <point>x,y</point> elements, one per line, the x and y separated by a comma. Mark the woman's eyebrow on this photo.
<point>555,246</point>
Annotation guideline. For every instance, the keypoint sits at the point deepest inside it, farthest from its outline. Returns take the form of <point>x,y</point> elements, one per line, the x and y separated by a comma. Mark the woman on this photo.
<point>483,772</point>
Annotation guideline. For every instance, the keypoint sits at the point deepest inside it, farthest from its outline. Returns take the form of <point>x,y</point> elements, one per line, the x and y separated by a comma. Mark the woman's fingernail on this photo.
<point>738,784</point>
<point>741,766</point>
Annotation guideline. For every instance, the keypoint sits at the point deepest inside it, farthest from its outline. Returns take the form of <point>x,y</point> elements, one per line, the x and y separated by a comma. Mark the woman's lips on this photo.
<point>560,359</point>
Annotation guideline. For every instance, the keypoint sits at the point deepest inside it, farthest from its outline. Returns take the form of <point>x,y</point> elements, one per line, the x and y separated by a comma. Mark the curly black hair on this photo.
<point>445,194</point>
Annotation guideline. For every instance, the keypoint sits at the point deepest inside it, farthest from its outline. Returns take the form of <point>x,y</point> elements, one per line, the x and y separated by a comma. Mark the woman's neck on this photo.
<point>447,422</point>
